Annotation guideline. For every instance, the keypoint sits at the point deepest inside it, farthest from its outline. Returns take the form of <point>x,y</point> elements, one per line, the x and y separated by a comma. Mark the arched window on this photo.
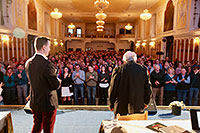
<point>78,31</point>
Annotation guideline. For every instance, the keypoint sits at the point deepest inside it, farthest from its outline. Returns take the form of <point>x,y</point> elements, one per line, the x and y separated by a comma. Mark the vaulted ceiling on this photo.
<point>84,10</point>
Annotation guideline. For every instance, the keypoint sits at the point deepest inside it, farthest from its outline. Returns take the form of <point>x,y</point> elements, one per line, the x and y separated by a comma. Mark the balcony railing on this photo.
<point>126,36</point>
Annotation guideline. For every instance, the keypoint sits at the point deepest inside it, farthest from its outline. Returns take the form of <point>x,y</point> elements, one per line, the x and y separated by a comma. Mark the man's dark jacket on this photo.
<point>130,87</point>
<point>43,84</point>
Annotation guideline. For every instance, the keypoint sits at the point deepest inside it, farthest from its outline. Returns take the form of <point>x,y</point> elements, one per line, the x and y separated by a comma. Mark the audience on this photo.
<point>88,74</point>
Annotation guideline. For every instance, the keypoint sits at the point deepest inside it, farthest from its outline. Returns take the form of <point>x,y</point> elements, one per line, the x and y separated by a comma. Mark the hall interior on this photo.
<point>173,28</point>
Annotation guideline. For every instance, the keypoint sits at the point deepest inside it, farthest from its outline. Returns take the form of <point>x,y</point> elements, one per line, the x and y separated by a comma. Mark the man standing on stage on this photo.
<point>43,85</point>
<point>130,87</point>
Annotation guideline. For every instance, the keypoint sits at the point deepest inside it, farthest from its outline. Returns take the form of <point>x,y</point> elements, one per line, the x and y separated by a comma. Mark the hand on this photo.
<point>19,76</point>
<point>182,79</point>
<point>91,77</point>
<point>77,75</point>
<point>27,98</point>
<point>111,109</point>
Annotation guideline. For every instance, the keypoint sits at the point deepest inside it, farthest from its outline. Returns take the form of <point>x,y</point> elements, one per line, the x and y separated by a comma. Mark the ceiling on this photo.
<point>84,10</point>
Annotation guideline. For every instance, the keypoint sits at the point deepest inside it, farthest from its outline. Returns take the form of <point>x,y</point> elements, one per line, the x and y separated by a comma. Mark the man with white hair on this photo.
<point>130,87</point>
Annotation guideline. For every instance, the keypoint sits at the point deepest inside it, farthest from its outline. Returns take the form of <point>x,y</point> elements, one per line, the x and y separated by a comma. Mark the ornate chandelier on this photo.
<point>71,26</point>
<point>128,26</point>
<point>100,22</point>
<point>101,4</point>
<point>101,15</point>
<point>56,14</point>
<point>145,15</point>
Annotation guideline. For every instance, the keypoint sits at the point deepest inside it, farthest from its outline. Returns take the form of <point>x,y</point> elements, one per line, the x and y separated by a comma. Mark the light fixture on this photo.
<point>137,44</point>
<point>128,26</point>
<point>56,14</point>
<point>100,30</point>
<point>100,22</point>
<point>144,44</point>
<point>152,44</point>
<point>196,40</point>
<point>101,15</point>
<point>71,26</point>
<point>100,27</point>
<point>145,15</point>
<point>5,38</point>
<point>101,4</point>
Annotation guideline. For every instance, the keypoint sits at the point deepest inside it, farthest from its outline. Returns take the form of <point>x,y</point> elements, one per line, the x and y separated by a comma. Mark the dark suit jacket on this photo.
<point>43,84</point>
<point>129,89</point>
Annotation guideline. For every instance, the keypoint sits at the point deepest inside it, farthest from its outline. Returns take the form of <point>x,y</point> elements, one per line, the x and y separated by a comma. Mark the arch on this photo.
<point>169,16</point>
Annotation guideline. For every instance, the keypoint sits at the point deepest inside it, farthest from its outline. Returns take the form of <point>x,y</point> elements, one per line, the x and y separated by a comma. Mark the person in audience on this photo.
<point>157,78</point>
<point>183,85</point>
<point>130,87</point>
<point>170,86</point>
<point>22,84</point>
<point>103,80</point>
<point>1,89</point>
<point>178,69</point>
<point>66,78</point>
<point>78,77</point>
<point>9,87</point>
<point>91,82</point>
<point>43,85</point>
<point>194,86</point>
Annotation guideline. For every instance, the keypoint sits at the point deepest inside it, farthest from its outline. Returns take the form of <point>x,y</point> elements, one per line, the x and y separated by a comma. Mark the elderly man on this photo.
<point>130,87</point>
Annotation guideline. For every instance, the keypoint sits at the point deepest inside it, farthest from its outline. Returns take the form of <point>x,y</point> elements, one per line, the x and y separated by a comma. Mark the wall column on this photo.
<point>184,51</point>
<point>3,57</point>
<point>188,54</point>
<point>179,56</point>
<point>193,50</point>
<point>24,47</point>
<point>17,50</point>
<point>21,47</point>
<point>176,52</point>
<point>13,54</point>
<point>8,49</point>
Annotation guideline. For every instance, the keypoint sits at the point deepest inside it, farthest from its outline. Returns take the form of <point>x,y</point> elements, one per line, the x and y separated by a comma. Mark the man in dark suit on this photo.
<point>43,86</point>
<point>130,87</point>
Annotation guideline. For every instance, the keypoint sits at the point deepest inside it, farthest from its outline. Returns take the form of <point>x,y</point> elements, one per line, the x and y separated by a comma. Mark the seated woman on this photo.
<point>66,78</point>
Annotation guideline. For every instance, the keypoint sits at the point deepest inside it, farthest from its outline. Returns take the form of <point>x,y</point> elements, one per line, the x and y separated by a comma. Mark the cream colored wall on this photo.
<point>122,45</point>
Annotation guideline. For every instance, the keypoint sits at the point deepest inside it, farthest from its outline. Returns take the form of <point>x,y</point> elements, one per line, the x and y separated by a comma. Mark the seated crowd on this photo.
<point>87,74</point>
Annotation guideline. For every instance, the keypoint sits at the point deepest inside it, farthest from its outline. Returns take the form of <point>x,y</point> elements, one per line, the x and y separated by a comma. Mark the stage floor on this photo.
<point>79,121</point>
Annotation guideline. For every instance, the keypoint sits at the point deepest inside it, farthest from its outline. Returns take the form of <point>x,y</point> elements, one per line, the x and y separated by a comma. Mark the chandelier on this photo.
<point>71,26</point>
<point>56,14</point>
<point>128,26</point>
<point>145,15</point>
<point>101,15</point>
<point>101,4</point>
<point>99,29</point>
<point>100,22</point>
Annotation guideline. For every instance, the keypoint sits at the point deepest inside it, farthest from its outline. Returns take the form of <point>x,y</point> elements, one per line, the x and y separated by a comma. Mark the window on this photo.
<point>121,31</point>
<point>128,31</point>
<point>78,31</point>
<point>71,31</point>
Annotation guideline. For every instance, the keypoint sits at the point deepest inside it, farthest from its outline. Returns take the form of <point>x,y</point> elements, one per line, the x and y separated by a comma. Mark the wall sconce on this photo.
<point>152,44</point>
<point>144,44</point>
<point>137,44</point>
<point>55,42</point>
<point>61,43</point>
<point>5,38</point>
<point>196,41</point>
